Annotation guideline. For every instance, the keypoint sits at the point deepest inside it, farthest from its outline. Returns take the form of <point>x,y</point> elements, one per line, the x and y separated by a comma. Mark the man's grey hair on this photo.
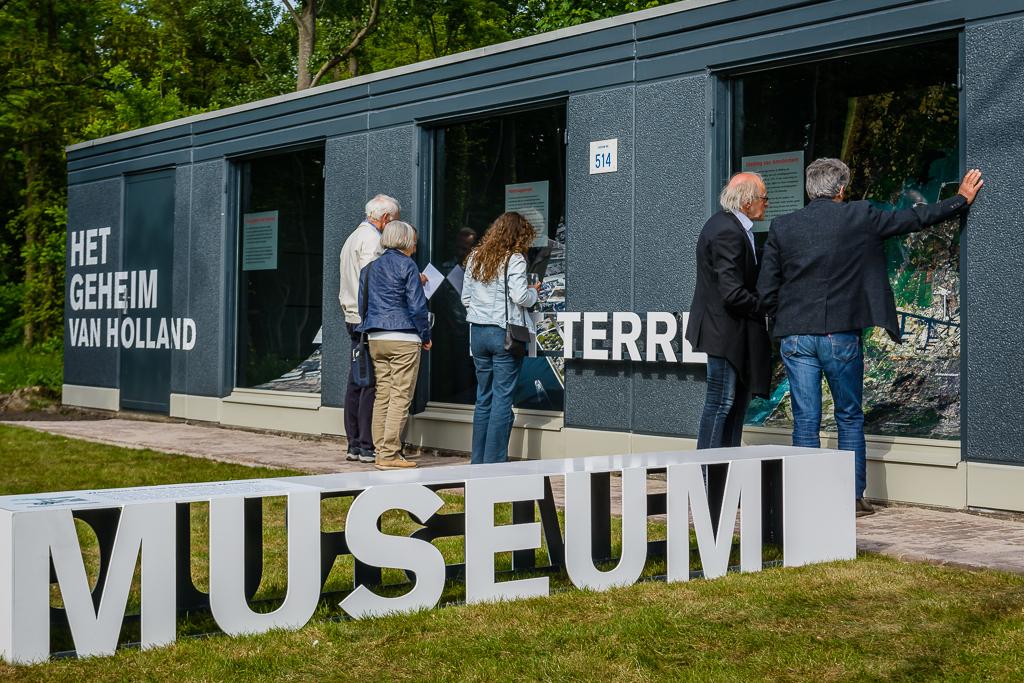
<point>383,204</point>
<point>398,235</point>
<point>735,195</point>
<point>826,178</point>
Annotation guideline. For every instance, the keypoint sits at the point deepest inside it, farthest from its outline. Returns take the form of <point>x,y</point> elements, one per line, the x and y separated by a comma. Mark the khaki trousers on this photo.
<point>396,365</point>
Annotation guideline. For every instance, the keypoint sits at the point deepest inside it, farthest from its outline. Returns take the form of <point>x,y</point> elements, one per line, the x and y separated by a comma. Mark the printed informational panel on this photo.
<point>783,174</point>
<point>259,241</point>
<point>532,201</point>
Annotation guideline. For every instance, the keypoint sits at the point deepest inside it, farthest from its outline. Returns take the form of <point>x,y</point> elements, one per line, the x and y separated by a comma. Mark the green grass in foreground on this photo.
<point>21,367</point>
<point>871,619</point>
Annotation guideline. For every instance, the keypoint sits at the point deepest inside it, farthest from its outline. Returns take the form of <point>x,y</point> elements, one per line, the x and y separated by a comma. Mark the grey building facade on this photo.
<point>203,253</point>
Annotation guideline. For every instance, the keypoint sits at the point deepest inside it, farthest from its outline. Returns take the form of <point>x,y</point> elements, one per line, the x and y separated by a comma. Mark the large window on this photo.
<point>483,168</point>
<point>893,117</point>
<point>280,271</point>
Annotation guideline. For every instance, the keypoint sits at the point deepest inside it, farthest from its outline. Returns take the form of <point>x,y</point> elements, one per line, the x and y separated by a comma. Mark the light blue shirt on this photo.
<point>748,226</point>
<point>487,303</point>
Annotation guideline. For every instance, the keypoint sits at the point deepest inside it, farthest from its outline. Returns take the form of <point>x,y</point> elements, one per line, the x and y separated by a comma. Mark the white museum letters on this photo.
<point>817,519</point>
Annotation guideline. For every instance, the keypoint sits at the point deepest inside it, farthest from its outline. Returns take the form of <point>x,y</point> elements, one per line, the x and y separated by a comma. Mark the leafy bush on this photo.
<point>38,366</point>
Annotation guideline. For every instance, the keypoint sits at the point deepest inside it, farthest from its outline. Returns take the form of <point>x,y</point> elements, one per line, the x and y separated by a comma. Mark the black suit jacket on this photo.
<point>824,270</point>
<point>726,319</point>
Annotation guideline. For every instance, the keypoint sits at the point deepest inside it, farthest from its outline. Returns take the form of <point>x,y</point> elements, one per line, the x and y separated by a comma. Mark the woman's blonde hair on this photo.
<point>510,233</point>
<point>398,235</point>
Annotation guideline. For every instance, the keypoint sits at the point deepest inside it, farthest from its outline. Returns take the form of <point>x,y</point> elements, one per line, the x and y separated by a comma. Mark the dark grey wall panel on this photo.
<point>993,246</point>
<point>135,165</point>
<point>293,136</point>
<point>325,113</point>
<point>180,272</point>
<point>93,205</point>
<point>507,95</point>
<point>527,57</point>
<point>514,74</point>
<point>670,212</point>
<point>599,249</point>
<point>823,36</point>
<point>208,298</point>
<point>179,133</point>
<point>310,100</point>
<point>345,194</point>
<point>391,167</point>
<point>174,145</point>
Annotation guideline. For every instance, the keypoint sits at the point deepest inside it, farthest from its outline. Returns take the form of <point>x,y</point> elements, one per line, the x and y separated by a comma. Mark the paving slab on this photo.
<point>944,537</point>
<point>907,533</point>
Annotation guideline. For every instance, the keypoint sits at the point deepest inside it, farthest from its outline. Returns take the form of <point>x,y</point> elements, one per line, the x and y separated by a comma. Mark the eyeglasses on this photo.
<point>764,198</point>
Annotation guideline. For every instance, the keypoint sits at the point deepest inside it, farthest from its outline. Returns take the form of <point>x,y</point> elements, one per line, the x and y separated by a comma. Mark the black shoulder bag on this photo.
<point>362,364</point>
<point>517,337</point>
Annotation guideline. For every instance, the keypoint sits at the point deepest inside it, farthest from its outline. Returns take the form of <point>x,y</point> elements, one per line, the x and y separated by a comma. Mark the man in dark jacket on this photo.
<point>726,320</point>
<point>824,280</point>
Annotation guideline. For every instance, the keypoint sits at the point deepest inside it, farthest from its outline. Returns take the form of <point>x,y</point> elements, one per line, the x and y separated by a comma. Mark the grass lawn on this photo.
<point>871,619</point>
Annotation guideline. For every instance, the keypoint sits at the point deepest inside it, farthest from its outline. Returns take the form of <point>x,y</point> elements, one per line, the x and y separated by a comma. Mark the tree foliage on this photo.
<point>73,70</point>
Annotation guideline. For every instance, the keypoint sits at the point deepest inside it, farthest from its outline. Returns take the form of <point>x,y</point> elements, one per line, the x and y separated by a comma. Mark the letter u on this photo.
<point>227,566</point>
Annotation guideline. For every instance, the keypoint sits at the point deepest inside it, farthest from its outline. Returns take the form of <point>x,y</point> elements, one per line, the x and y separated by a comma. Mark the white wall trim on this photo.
<point>103,398</point>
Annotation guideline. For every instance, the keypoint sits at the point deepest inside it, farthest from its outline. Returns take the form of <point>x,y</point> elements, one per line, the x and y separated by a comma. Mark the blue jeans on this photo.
<point>497,372</point>
<point>840,357</point>
<point>725,406</point>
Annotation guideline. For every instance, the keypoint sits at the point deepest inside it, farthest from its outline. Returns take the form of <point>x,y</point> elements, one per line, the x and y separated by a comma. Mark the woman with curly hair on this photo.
<point>496,293</point>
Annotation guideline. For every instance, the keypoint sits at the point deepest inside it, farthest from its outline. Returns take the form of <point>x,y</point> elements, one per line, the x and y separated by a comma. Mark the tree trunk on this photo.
<point>32,163</point>
<point>305,20</point>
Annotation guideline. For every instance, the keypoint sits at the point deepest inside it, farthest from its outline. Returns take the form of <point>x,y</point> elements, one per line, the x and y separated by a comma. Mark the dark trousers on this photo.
<point>358,406</point>
<point>725,406</point>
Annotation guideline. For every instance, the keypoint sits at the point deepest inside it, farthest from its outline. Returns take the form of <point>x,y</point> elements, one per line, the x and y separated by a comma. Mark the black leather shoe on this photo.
<point>864,508</point>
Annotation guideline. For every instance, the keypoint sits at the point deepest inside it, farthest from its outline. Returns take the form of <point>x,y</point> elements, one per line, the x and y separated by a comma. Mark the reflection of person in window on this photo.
<point>457,384</point>
<point>491,305</point>
<point>824,280</point>
<point>361,247</point>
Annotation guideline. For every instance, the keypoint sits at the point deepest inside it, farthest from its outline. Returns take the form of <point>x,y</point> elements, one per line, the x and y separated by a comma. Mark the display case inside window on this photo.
<point>484,167</point>
<point>280,271</point>
<point>893,117</point>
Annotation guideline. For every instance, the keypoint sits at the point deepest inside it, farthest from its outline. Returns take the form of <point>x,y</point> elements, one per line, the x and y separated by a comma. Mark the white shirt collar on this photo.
<point>747,224</point>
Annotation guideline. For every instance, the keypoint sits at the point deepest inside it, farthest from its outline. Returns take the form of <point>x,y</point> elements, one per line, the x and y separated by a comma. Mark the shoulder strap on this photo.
<point>509,260</point>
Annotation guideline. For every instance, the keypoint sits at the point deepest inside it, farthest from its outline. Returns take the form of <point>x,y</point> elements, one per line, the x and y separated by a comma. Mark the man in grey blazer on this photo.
<point>824,280</point>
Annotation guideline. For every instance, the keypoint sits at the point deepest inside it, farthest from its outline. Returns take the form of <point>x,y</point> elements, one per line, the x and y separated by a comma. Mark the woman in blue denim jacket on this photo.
<point>397,325</point>
<point>489,304</point>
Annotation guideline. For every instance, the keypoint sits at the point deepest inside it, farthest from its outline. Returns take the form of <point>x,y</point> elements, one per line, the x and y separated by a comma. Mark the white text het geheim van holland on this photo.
<point>120,290</point>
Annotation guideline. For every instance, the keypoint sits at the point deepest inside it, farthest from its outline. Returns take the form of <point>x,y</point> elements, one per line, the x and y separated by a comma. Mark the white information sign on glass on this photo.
<point>531,200</point>
<point>604,156</point>
<point>783,174</point>
<point>259,241</point>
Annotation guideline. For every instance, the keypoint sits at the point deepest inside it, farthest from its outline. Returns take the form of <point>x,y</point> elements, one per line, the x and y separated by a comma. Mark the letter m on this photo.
<point>28,542</point>
<point>687,495</point>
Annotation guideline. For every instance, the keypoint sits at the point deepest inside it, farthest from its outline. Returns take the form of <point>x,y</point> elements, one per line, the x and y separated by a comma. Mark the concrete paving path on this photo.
<point>908,533</point>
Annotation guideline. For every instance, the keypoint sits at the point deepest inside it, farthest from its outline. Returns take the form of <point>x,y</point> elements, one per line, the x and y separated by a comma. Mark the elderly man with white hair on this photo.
<point>361,248</point>
<point>726,320</point>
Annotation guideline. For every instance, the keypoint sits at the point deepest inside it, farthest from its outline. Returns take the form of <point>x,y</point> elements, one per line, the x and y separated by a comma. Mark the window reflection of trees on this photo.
<point>893,117</point>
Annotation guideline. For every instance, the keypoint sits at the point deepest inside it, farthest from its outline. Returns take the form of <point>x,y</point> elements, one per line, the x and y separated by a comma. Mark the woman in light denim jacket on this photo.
<point>488,305</point>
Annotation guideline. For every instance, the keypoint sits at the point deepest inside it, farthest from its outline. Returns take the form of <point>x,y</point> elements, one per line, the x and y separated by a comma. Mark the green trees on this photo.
<point>74,70</point>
